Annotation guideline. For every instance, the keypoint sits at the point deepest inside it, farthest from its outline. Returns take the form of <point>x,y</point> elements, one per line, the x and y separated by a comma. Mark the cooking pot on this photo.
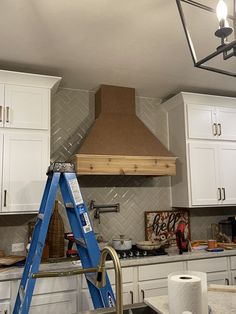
<point>151,245</point>
<point>122,244</point>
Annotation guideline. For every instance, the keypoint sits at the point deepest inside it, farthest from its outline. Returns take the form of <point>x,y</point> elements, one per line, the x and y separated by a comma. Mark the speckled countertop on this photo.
<point>219,302</point>
<point>13,273</point>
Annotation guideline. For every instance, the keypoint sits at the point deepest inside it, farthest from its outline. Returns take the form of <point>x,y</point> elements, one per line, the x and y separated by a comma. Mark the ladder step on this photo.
<point>70,205</point>
<point>81,242</point>
<point>40,216</point>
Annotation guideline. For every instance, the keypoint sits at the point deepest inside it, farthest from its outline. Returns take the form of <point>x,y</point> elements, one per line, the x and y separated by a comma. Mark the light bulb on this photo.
<point>221,10</point>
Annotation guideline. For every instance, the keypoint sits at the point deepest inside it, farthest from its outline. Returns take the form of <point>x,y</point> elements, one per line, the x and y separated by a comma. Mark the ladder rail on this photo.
<point>63,175</point>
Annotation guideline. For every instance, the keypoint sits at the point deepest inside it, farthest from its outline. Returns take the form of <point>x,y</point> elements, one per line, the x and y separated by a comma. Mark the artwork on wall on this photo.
<point>161,225</point>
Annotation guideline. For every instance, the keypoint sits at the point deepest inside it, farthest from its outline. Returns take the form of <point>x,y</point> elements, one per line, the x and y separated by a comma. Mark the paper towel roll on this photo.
<point>187,292</point>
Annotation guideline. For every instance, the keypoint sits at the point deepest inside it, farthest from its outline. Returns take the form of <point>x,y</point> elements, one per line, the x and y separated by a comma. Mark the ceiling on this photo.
<point>135,43</point>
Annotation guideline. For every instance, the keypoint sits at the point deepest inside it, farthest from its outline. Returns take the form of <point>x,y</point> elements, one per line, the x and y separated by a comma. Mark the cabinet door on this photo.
<point>201,121</point>
<point>1,168</point>
<point>26,158</point>
<point>227,154</point>
<point>218,278</point>
<point>5,308</point>
<point>233,277</point>
<point>204,173</point>
<point>1,105</point>
<point>226,118</point>
<point>26,107</point>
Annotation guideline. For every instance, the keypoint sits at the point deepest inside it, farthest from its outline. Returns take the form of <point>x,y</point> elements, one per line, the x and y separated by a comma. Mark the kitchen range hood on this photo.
<point>119,143</point>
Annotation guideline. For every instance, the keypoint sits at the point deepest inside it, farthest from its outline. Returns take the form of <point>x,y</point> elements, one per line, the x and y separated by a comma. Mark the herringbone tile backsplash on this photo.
<point>72,115</point>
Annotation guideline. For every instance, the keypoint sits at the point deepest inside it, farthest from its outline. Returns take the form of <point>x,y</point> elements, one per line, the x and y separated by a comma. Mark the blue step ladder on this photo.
<point>63,175</point>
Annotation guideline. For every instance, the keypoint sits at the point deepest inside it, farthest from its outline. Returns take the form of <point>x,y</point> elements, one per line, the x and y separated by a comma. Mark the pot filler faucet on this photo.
<point>103,208</point>
<point>100,274</point>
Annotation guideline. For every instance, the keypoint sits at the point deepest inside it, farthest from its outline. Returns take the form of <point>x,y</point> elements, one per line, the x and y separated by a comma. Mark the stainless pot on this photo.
<point>122,244</point>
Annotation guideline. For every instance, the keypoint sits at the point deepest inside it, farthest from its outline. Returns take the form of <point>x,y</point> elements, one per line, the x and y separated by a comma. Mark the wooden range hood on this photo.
<point>119,143</point>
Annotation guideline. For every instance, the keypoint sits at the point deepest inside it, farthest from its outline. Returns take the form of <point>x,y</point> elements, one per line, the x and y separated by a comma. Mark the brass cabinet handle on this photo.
<point>214,129</point>
<point>132,296</point>
<point>227,281</point>
<point>219,194</point>
<point>143,294</point>
<point>1,112</point>
<point>219,129</point>
<point>5,198</point>
<point>223,192</point>
<point>7,114</point>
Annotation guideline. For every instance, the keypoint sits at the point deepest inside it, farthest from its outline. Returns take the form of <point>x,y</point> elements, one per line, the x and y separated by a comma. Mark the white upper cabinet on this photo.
<point>24,139</point>
<point>26,107</point>
<point>211,122</point>
<point>202,134</point>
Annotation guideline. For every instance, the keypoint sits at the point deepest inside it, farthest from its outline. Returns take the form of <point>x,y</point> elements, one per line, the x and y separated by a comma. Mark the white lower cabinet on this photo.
<point>5,295</point>
<point>216,269</point>
<point>5,308</point>
<point>58,295</point>
<point>233,269</point>
<point>71,295</point>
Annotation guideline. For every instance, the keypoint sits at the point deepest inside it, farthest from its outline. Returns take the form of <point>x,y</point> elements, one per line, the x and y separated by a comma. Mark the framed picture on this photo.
<point>161,225</point>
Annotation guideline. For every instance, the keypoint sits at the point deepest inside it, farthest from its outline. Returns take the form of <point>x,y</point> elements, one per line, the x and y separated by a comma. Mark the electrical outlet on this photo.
<point>17,247</point>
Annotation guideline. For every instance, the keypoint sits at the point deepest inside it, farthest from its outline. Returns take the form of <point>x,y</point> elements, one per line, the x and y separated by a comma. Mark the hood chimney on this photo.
<point>119,143</point>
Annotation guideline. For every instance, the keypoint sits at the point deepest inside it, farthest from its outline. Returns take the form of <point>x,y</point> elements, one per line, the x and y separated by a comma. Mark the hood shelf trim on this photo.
<point>86,164</point>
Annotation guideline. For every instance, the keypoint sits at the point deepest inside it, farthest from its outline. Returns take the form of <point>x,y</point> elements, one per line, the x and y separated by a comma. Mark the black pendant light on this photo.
<point>227,49</point>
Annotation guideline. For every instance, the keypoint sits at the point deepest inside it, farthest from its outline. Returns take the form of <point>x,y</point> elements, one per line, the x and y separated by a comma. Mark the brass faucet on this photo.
<point>101,274</point>
<point>101,282</point>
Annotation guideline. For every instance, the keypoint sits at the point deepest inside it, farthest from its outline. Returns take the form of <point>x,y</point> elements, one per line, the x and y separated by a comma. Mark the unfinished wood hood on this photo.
<point>119,143</point>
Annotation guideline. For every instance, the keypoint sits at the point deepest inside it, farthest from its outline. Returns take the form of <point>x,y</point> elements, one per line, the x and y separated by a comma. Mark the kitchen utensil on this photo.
<point>149,245</point>
<point>122,244</point>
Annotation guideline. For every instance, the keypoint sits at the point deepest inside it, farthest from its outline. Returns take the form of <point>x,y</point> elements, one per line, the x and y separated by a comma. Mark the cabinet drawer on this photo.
<point>47,285</point>
<point>5,290</point>
<point>127,276</point>
<point>59,303</point>
<point>152,288</point>
<point>208,265</point>
<point>150,272</point>
<point>233,262</point>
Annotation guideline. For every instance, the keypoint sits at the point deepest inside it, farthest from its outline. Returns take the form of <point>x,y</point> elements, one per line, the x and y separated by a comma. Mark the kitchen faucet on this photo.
<point>118,275</point>
<point>100,280</point>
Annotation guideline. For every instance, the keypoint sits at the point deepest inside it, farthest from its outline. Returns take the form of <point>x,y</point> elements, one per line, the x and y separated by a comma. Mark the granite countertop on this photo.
<point>219,303</point>
<point>14,273</point>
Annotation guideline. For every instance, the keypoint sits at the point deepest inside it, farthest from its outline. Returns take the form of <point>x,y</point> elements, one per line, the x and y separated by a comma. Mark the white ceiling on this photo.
<point>135,43</point>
